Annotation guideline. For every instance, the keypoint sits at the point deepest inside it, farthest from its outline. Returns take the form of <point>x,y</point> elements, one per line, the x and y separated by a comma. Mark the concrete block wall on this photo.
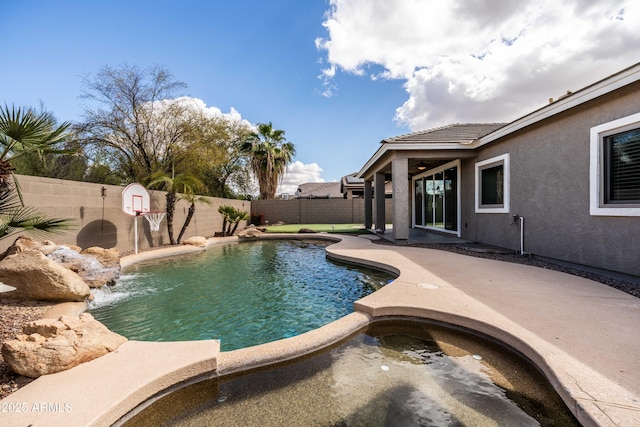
<point>315,211</point>
<point>100,221</point>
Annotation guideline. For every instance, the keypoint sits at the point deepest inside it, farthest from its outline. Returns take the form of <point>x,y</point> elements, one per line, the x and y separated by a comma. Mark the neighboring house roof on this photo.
<point>320,190</point>
<point>350,182</point>
<point>461,133</point>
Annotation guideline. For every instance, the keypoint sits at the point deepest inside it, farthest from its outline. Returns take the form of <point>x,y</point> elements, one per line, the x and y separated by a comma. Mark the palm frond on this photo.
<point>15,217</point>
<point>33,222</point>
<point>24,130</point>
<point>9,200</point>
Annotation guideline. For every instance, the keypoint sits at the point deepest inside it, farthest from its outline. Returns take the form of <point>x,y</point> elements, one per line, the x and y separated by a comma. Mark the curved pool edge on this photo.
<point>167,251</point>
<point>592,395</point>
<point>418,292</point>
<point>286,349</point>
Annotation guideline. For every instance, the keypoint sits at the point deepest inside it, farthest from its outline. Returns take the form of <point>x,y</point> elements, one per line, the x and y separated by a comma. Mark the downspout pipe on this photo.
<point>520,219</point>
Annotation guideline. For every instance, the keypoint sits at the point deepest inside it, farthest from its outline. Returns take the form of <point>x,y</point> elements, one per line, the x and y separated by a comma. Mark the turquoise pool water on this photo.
<point>243,294</point>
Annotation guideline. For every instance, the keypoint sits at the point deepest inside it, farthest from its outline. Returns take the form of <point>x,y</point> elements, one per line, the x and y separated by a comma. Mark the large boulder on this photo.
<point>37,277</point>
<point>47,346</point>
<point>25,244</point>
<point>47,247</point>
<point>249,232</point>
<point>197,241</point>
<point>109,258</point>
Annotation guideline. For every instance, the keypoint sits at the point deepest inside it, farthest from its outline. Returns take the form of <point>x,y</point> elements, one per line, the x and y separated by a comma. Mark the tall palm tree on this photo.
<point>25,131</point>
<point>269,153</point>
<point>182,183</point>
<point>192,199</point>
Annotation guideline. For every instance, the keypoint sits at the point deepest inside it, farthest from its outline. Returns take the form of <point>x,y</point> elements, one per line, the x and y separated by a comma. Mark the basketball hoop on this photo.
<point>136,201</point>
<point>154,218</point>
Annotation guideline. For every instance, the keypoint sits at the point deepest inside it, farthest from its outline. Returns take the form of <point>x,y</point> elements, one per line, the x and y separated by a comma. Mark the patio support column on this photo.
<point>378,192</point>
<point>368,205</point>
<point>400,176</point>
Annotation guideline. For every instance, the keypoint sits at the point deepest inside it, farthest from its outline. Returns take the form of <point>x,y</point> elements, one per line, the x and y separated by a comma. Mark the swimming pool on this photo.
<point>400,372</point>
<point>242,293</point>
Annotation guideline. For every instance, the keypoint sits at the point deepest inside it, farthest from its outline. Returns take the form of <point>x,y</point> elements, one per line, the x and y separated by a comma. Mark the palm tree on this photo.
<point>227,212</point>
<point>237,218</point>
<point>269,153</point>
<point>24,131</point>
<point>231,217</point>
<point>182,183</point>
<point>192,199</point>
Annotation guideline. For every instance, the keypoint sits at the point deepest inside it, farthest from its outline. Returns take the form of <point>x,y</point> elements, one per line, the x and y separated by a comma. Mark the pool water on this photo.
<point>242,293</point>
<point>396,373</point>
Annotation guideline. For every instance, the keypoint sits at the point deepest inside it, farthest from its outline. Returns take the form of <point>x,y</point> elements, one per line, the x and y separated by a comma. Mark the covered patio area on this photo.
<point>421,236</point>
<point>424,169</point>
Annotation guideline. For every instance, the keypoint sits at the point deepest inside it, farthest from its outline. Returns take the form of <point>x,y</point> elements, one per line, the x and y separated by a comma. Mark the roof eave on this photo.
<point>616,81</point>
<point>623,78</point>
<point>385,148</point>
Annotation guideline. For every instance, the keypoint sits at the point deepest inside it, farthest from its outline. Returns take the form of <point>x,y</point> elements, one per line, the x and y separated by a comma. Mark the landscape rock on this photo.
<point>96,266</point>
<point>306,230</point>
<point>48,247</point>
<point>47,346</point>
<point>21,244</point>
<point>37,277</point>
<point>74,248</point>
<point>250,232</point>
<point>198,241</point>
<point>107,257</point>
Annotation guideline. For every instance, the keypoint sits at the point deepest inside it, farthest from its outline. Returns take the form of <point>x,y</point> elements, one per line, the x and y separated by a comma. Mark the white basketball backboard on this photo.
<point>135,200</point>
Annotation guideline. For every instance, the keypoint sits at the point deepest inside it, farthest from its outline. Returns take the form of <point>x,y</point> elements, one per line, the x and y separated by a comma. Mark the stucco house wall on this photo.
<point>549,187</point>
<point>553,161</point>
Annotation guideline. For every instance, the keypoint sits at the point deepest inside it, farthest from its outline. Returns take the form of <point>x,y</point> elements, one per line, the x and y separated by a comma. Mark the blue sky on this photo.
<point>338,76</point>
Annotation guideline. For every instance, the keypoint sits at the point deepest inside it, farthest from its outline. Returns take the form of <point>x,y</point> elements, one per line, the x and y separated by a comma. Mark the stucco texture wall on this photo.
<point>101,222</point>
<point>550,189</point>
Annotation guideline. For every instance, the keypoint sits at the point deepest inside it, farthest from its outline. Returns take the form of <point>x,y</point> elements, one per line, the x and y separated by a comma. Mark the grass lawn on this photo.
<point>319,228</point>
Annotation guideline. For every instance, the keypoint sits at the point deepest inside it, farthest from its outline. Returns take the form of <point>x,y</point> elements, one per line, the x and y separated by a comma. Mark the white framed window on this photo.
<point>614,168</point>
<point>492,185</point>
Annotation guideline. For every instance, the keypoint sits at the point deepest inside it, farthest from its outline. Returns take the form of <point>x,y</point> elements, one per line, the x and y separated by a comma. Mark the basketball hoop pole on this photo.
<point>135,202</point>
<point>135,232</point>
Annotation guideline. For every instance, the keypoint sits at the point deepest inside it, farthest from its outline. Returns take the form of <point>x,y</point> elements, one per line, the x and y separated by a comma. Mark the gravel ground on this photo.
<point>14,314</point>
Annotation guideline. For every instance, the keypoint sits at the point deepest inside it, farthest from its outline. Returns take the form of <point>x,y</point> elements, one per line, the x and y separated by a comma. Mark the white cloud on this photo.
<point>188,105</point>
<point>491,60</point>
<point>298,173</point>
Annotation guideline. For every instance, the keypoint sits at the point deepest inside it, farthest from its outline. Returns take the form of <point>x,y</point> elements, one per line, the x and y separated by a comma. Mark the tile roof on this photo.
<point>454,133</point>
<point>352,180</point>
<point>320,189</point>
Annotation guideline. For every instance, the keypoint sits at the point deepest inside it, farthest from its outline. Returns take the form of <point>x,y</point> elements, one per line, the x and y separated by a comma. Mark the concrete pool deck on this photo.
<point>582,335</point>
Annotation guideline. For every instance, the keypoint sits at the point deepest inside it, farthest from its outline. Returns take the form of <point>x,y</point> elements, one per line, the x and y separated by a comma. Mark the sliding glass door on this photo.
<point>418,202</point>
<point>435,202</point>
